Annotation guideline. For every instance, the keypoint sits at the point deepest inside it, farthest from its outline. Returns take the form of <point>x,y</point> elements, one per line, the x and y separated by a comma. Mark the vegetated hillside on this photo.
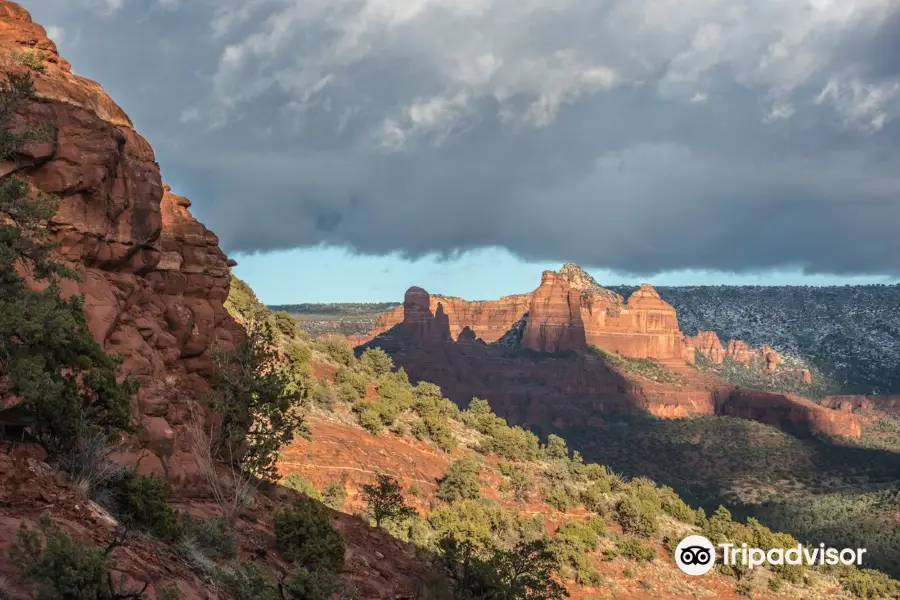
<point>463,486</point>
<point>844,493</point>
<point>851,334</point>
<point>345,318</point>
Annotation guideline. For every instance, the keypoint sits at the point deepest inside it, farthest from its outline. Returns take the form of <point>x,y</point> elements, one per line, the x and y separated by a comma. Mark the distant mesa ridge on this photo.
<point>570,311</point>
<point>443,340</point>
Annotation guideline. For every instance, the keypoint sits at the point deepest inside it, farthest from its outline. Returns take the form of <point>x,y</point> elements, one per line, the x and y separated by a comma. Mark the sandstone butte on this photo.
<point>569,390</point>
<point>571,311</point>
<point>153,277</point>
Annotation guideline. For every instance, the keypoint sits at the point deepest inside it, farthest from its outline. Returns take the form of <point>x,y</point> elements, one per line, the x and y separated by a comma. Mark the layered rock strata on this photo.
<point>576,388</point>
<point>153,278</point>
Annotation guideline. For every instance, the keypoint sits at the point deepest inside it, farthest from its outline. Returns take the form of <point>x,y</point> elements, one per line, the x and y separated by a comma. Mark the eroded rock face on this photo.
<point>153,278</point>
<point>708,344</point>
<point>554,319</point>
<point>579,388</point>
<point>790,413</point>
<point>643,327</point>
<point>489,320</point>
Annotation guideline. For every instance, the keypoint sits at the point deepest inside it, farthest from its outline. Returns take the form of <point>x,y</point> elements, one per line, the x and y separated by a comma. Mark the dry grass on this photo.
<point>233,493</point>
<point>91,469</point>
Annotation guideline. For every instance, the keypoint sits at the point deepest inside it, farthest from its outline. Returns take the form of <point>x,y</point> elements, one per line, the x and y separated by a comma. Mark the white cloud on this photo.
<point>669,133</point>
<point>56,33</point>
<point>534,57</point>
<point>867,105</point>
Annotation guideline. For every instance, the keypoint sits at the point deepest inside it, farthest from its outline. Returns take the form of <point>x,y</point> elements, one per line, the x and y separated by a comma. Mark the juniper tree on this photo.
<point>66,383</point>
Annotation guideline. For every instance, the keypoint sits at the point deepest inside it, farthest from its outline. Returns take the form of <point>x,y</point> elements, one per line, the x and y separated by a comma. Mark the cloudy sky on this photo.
<point>346,149</point>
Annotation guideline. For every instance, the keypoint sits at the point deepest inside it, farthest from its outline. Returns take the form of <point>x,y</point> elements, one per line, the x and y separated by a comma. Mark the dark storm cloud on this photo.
<point>629,134</point>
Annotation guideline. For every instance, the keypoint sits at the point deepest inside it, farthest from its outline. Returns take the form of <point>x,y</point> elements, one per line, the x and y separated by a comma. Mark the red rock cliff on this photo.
<point>153,278</point>
<point>554,319</point>
<point>488,319</point>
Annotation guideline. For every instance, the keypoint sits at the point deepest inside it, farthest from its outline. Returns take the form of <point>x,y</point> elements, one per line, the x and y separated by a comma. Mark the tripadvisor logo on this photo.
<point>696,555</point>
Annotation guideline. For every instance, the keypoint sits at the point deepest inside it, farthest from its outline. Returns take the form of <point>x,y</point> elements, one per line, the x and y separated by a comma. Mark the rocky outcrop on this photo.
<point>578,388</point>
<point>864,404</point>
<point>708,344</point>
<point>153,278</point>
<point>488,319</point>
<point>789,413</point>
<point>554,318</point>
<point>643,327</point>
<point>570,311</point>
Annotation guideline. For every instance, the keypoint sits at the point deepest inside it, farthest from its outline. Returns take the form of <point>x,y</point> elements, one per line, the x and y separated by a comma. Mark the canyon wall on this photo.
<point>576,388</point>
<point>153,278</point>
<point>488,319</point>
<point>570,311</point>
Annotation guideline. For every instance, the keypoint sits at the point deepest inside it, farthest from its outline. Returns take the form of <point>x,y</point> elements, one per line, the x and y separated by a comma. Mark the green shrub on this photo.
<point>513,443</point>
<point>868,583</point>
<point>646,493</point>
<point>298,353</point>
<point>578,535</point>
<point>56,568</point>
<point>518,482</point>
<point>573,542</point>
<point>594,498</point>
<point>303,584</point>
<point>370,420</point>
<point>460,482</point>
<point>632,548</point>
<point>258,403</point>
<point>376,360</point>
<point>304,534</point>
<point>557,497</point>
<point>338,350</point>
<point>524,571</point>
<point>597,524</point>
<point>168,592</point>
<point>148,507</point>
<point>33,59</point>
<point>246,581</point>
<point>439,432</point>
<point>287,325</point>
<point>324,396</point>
<point>673,505</point>
<point>358,381</point>
<point>334,495</point>
<point>634,517</point>
<point>418,429</point>
<point>299,483</point>
<point>214,537</point>
<point>556,448</point>
<point>744,588</point>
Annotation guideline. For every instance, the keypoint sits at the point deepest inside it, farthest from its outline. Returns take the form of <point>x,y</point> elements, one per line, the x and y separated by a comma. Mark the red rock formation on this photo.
<point>554,319</point>
<point>864,404</point>
<point>644,327</point>
<point>573,390</point>
<point>790,413</point>
<point>488,319</point>
<point>771,357</point>
<point>153,278</point>
<point>707,342</point>
<point>418,320</point>
<point>738,351</point>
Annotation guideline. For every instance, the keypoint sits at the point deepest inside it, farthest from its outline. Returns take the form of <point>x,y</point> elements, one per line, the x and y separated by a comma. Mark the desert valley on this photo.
<point>167,435</point>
